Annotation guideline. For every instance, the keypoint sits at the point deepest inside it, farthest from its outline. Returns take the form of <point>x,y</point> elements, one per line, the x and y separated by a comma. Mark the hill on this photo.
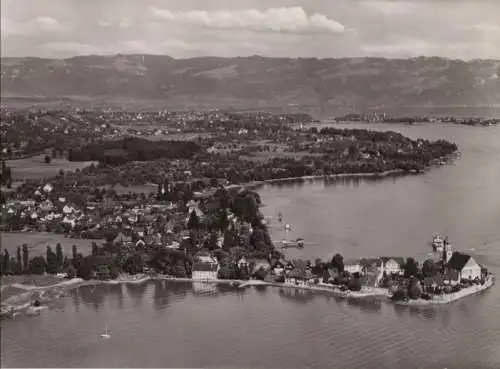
<point>353,83</point>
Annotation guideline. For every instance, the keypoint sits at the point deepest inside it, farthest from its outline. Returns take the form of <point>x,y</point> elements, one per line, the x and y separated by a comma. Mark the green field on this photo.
<point>35,167</point>
<point>38,242</point>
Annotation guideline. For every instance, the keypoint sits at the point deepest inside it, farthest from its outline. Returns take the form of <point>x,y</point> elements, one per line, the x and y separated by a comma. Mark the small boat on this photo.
<point>105,335</point>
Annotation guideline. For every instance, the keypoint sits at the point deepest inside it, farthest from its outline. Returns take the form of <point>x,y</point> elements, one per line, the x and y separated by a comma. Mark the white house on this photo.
<point>391,265</point>
<point>464,266</point>
<point>48,188</point>
<point>242,263</point>
<point>67,209</point>
<point>205,267</point>
<point>353,266</point>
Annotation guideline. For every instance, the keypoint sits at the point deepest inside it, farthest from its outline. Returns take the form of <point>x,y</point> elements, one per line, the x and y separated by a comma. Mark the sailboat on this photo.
<point>105,335</point>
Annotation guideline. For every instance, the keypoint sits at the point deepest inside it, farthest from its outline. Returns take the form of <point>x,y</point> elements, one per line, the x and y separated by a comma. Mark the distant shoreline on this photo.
<point>326,176</point>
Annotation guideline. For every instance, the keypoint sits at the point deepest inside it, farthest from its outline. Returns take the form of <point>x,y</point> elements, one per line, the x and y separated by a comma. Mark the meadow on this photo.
<point>38,241</point>
<point>35,167</point>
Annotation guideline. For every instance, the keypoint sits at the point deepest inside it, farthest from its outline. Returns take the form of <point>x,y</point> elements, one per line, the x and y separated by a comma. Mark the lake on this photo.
<point>166,324</point>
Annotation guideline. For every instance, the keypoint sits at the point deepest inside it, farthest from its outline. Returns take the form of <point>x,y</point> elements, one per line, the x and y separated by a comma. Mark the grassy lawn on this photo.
<point>38,241</point>
<point>35,167</point>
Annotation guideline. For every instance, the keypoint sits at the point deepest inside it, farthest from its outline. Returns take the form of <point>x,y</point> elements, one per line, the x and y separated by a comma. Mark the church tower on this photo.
<point>447,252</point>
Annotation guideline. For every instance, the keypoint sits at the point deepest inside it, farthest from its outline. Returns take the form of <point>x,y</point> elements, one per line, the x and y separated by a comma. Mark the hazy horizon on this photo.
<point>461,29</point>
<point>112,54</point>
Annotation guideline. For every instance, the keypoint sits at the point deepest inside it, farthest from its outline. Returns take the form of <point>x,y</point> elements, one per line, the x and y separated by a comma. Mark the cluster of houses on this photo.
<point>144,222</point>
<point>456,267</point>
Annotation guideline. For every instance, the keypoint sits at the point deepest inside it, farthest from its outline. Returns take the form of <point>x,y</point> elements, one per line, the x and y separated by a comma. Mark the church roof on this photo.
<point>458,261</point>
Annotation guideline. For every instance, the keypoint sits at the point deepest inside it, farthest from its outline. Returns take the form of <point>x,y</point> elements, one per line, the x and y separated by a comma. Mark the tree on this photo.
<point>194,222</point>
<point>51,258</point>
<point>6,261</point>
<point>260,239</point>
<point>18,255</point>
<point>25,257</point>
<point>222,220</point>
<point>260,274</point>
<point>429,268</point>
<point>411,268</point>
<point>59,255</point>
<point>37,265</point>
<point>211,242</point>
<point>95,249</point>
<point>133,265</point>
<point>401,293</point>
<point>338,263</point>
<point>84,269</point>
<point>228,270</point>
<point>47,159</point>
<point>414,289</point>
<point>354,284</point>
<point>179,270</point>
<point>230,240</point>
<point>15,266</point>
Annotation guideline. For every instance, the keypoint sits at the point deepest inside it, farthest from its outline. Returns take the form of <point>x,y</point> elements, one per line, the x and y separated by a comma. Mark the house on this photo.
<point>205,267</point>
<point>261,263</point>
<point>279,267</point>
<point>299,277</point>
<point>353,266</point>
<point>46,205</point>
<point>121,238</point>
<point>48,188</point>
<point>391,265</point>
<point>242,263</point>
<point>462,266</point>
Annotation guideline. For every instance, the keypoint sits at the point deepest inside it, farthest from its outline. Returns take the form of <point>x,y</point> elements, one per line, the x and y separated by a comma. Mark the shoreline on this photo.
<point>326,176</point>
<point>21,303</point>
<point>451,297</point>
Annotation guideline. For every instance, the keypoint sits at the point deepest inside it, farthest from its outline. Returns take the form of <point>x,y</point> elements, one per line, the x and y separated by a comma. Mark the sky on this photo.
<point>458,29</point>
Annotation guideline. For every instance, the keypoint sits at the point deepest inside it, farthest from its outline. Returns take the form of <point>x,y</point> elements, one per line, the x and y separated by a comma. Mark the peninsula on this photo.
<point>172,201</point>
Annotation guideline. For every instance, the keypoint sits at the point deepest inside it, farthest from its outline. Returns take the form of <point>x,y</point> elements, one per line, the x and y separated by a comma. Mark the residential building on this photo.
<point>391,265</point>
<point>353,266</point>
<point>462,266</point>
<point>205,267</point>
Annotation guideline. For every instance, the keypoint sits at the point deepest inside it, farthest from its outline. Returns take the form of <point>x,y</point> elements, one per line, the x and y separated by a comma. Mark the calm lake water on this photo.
<point>183,325</point>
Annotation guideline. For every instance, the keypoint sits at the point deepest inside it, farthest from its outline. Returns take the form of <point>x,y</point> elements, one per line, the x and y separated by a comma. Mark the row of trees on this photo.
<point>53,262</point>
<point>5,175</point>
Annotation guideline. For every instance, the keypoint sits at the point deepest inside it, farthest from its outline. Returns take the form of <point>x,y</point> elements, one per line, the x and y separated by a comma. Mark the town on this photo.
<point>177,200</point>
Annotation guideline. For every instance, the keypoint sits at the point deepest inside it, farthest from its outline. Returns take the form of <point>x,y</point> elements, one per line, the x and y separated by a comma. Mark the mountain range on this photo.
<point>252,82</point>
